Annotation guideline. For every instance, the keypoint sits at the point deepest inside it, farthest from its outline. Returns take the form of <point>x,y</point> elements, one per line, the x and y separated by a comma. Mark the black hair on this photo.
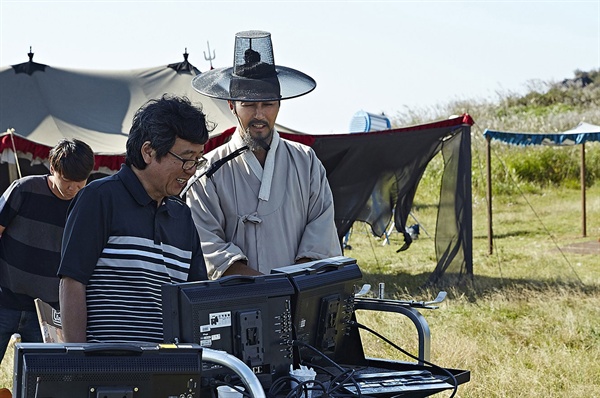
<point>73,159</point>
<point>161,121</point>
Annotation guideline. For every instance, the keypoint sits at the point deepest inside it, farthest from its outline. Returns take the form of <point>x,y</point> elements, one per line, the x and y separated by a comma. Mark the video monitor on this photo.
<point>322,305</point>
<point>248,317</point>
<point>99,370</point>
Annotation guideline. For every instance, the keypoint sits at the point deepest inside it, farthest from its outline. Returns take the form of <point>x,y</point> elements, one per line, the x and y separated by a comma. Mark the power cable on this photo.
<point>454,381</point>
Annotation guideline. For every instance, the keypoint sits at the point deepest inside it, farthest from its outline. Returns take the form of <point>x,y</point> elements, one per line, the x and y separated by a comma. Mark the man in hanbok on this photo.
<point>272,205</point>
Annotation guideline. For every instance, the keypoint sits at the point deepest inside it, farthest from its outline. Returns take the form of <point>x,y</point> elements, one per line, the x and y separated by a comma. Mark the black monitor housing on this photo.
<point>248,317</point>
<point>322,306</point>
<point>97,370</point>
<point>268,321</point>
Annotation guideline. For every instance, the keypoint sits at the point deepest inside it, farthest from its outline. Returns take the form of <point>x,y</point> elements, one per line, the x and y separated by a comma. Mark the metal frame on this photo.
<point>408,309</point>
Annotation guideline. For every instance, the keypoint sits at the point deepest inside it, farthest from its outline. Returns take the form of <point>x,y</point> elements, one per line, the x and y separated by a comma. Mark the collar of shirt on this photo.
<point>134,186</point>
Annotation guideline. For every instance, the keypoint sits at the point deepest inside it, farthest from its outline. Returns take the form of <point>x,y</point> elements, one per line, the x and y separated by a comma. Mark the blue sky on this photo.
<point>377,56</point>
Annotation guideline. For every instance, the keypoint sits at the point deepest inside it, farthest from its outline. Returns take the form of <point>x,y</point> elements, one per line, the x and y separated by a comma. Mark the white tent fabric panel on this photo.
<point>94,106</point>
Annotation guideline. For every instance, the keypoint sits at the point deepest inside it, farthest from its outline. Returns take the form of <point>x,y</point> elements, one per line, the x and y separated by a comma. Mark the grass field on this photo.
<point>527,325</point>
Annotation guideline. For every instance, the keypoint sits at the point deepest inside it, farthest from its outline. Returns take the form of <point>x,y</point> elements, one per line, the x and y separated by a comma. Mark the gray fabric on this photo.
<point>94,106</point>
<point>234,224</point>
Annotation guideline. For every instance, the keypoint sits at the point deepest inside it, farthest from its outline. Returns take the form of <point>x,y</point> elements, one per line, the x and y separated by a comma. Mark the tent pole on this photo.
<point>583,206</point>
<point>489,193</point>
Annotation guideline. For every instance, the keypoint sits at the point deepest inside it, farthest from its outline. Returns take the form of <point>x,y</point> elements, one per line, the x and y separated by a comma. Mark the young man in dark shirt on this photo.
<point>33,211</point>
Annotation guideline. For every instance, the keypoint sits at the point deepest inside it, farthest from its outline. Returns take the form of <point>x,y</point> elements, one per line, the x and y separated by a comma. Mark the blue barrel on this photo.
<point>363,122</point>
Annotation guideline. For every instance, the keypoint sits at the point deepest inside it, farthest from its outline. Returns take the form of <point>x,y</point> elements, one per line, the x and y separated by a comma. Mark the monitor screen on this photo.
<point>98,370</point>
<point>248,317</point>
<point>321,306</point>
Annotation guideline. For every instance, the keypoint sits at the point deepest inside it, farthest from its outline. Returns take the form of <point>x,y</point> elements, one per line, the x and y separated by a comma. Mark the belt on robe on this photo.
<point>240,232</point>
<point>253,218</point>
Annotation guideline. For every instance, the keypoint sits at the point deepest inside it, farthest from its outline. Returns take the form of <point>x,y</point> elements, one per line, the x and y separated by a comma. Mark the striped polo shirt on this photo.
<point>34,219</point>
<point>124,248</point>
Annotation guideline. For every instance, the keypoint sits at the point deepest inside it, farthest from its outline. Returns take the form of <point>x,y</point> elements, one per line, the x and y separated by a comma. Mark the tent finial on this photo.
<point>29,67</point>
<point>185,65</point>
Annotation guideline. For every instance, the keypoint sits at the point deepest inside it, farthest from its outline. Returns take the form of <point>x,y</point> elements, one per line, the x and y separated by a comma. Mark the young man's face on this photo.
<point>257,119</point>
<point>166,177</point>
<point>66,189</point>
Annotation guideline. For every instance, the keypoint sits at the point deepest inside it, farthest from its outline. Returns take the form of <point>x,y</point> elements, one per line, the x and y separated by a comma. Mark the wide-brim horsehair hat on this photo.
<point>254,75</point>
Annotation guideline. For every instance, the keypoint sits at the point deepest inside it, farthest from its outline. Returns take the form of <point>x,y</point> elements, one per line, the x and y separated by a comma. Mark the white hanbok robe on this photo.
<point>268,217</point>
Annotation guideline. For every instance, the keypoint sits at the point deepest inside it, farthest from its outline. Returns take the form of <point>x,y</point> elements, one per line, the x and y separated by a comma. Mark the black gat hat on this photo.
<point>254,75</point>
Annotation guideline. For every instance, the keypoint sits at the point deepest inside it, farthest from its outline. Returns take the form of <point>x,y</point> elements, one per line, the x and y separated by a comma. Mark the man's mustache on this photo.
<point>257,121</point>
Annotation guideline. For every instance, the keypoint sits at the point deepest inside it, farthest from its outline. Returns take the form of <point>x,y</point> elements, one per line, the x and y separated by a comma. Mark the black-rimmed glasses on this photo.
<point>188,164</point>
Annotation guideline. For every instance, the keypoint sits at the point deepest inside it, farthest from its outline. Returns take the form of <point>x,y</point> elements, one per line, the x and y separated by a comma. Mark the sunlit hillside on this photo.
<point>528,323</point>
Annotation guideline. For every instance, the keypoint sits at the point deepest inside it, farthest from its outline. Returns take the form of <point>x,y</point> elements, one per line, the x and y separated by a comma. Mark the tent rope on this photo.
<point>539,218</point>
<point>14,147</point>
<point>370,235</point>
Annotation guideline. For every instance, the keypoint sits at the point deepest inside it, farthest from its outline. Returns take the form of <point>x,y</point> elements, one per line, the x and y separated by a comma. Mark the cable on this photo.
<point>216,165</point>
<point>454,381</point>
<point>302,388</point>
<point>347,374</point>
<point>336,386</point>
<point>348,377</point>
<point>303,344</point>
<point>278,385</point>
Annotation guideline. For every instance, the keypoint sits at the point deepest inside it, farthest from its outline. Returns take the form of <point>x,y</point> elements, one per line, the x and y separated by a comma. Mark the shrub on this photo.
<point>545,108</point>
<point>549,165</point>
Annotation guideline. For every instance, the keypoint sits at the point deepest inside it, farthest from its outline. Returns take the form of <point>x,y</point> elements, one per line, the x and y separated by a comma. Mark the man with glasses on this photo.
<point>191,164</point>
<point>128,234</point>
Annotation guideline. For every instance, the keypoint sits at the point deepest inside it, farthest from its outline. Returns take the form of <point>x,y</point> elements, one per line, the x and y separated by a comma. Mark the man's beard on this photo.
<point>255,144</point>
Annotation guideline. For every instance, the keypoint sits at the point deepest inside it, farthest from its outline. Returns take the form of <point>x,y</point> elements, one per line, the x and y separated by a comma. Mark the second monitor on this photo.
<point>322,306</point>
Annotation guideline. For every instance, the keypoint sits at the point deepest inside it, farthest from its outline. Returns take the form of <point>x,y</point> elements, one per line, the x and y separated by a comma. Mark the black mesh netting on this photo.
<point>374,177</point>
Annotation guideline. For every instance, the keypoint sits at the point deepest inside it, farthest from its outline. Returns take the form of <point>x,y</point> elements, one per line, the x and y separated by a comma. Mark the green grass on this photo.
<point>528,324</point>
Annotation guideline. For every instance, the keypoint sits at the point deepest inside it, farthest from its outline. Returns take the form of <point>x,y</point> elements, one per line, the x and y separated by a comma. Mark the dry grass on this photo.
<point>529,323</point>
<point>6,368</point>
<point>517,342</point>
